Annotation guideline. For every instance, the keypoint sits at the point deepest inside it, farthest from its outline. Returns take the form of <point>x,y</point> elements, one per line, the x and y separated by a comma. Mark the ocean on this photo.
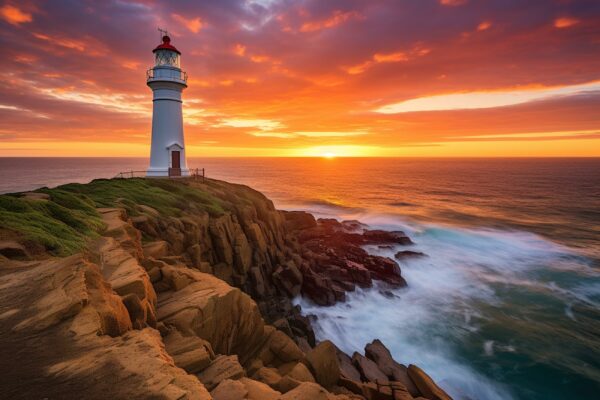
<point>507,303</point>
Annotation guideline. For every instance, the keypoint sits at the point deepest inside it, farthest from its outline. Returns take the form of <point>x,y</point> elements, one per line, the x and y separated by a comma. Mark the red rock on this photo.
<point>318,289</point>
<point>386,237</point>
<point>299,220</point>
<point>401,255</point>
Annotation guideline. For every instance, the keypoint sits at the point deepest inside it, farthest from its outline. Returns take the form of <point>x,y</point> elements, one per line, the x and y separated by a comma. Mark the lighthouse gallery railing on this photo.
<point>172,74</point>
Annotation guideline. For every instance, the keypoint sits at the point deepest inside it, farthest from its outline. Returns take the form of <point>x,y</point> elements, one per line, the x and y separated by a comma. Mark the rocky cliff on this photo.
<point>182,289</point>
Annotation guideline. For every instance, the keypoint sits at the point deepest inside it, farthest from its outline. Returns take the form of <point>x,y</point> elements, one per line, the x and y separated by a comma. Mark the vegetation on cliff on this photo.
<point>60,221</point>
<point>60,226</point>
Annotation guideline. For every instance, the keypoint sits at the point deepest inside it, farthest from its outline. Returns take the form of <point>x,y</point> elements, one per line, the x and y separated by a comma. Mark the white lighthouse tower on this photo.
<point>167,81</point>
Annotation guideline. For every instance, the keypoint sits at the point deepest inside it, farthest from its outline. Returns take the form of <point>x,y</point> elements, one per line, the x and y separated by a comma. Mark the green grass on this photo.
<point>60,226</point>
<point>64,224</point>
<point>168,197</point>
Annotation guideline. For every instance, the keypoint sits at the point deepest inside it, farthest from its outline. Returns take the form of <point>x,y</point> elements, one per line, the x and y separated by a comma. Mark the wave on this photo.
<point>467,305</point>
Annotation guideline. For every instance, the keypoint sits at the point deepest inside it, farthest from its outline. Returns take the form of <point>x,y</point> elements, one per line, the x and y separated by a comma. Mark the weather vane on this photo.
<point>163,32</point>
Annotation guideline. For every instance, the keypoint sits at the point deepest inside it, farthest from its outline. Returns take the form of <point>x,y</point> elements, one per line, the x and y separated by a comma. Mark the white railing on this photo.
<point>196,173</point>
<point>167,74</point>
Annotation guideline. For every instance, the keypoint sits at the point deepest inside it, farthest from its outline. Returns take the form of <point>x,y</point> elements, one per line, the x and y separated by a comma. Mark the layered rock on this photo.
<point>72,334</point>
<point>200,308</point>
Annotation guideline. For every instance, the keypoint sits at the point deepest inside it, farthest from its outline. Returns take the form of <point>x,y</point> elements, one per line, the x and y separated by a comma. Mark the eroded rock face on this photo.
<point>188,311</point>
<point>214,311</point>
<point>58,318</point>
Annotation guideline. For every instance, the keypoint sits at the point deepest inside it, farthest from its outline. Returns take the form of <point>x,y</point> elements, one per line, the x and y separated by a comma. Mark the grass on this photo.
<point>63,224</point>
<point>60,226</point>
<point>168,197</point>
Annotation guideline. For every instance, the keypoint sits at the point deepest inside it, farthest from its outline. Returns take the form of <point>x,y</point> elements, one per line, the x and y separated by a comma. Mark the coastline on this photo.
<point>155,245</point>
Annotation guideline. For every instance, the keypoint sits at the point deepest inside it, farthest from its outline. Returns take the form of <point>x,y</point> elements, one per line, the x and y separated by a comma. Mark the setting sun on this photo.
<point>328,155</point>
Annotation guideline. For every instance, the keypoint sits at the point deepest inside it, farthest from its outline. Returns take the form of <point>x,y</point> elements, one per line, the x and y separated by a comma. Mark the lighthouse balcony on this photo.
<point>166,74</point>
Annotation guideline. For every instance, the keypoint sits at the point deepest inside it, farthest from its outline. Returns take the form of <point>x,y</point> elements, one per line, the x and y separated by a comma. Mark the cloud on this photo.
<point>338,17</point>
<point>378,58</point>
<point>477,100</point>
<point>453,3</point>
<point>484,26</point>
<point>332,134</point>
<point>63,42</point>
<point>14,16</point>
<point>307,134</point>
<point>583,134</point>
<point>239,49</point>
<point>565,22</point>
<point>263,124</point>
<point>287,75</point>
<point>192,24</point>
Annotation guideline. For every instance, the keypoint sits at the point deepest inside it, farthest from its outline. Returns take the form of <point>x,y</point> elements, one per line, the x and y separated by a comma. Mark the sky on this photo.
<point>433,78</point>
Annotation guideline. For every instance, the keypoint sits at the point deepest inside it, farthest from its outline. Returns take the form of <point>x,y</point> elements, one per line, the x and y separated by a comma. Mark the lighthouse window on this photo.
<point>166,57</point>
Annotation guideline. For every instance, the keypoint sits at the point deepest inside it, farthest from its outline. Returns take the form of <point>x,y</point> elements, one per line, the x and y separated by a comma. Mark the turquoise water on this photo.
<point>507,303</point>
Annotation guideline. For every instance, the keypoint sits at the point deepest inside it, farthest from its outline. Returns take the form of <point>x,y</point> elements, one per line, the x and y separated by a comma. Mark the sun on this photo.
<point>328,155</point>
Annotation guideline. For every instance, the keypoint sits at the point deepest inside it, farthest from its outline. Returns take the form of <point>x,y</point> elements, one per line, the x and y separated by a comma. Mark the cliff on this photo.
<point>182,289</point>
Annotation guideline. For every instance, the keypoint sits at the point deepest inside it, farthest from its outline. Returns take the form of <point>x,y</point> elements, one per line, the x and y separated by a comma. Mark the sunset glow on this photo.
<point>308,78</point>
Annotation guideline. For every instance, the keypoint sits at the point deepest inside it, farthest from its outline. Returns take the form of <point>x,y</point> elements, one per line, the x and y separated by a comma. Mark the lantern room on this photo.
<point>165,54</point>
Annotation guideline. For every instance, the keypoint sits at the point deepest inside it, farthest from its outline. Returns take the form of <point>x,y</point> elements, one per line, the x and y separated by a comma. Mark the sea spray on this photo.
<point>467,310</point>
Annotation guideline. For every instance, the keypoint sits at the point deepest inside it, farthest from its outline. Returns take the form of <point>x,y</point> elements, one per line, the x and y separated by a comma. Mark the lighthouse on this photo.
<point>167,81</point>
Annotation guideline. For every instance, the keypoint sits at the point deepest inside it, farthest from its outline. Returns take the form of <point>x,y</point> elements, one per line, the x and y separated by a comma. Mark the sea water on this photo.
<point>506,305</point>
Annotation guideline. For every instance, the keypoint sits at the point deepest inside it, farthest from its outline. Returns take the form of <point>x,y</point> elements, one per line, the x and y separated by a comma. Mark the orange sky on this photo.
<point>306,78</point>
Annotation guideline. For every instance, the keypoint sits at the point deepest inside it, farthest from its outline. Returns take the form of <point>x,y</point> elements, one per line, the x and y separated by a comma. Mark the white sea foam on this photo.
<point>450,294</point>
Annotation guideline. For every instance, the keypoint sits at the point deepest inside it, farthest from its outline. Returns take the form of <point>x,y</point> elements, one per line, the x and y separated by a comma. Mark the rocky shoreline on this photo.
<point>187,298</point>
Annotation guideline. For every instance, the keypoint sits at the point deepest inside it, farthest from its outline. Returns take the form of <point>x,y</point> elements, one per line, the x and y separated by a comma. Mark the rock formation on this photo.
<point>189,298</point>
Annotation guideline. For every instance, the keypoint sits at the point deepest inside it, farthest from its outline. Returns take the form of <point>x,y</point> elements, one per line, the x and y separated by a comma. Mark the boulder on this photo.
<point>268,376</point>
<point>426,385</point>
<point>392,391</point>
<point>287,383</point>
<point>221,368</point>
<point>324,363</point>
<point>401,255</point>
<point>299,220</point>
<point>318,289</point>
<point>368,369</point>
<point>302,328</point>
<point>258,390</point>
<point>284,348</point>
<point>385,237</point>
<point>301,373</point>
<point>309,391</point>
<point>377,352</point>
<point>347,368</point>
<point>189,352</point>
<point>229,389</point>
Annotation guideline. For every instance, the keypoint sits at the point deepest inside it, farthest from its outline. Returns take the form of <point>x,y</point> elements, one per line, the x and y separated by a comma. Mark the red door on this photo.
<point>175,163</point>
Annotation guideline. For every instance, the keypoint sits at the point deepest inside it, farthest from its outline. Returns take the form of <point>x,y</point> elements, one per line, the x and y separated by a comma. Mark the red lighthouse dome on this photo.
<point>166,45</point>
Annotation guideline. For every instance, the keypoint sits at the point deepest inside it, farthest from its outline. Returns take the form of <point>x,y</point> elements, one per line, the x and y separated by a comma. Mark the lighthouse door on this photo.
<point>175,163</point>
